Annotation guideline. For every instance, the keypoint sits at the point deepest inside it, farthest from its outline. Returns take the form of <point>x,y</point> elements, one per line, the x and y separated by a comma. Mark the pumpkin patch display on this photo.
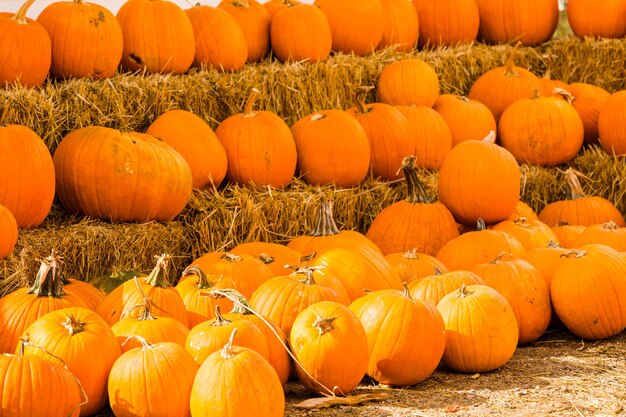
<point>447,22</point>
<point>254,21</point>
<point>401,26</point>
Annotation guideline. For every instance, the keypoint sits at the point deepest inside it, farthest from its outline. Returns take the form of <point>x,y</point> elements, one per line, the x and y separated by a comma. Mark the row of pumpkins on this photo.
<point>328,320</point>
<point>79,39</point>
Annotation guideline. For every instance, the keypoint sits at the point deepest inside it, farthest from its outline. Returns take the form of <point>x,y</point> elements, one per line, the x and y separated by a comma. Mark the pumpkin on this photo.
<point>544,131</point>
<point>220,42</point>
<point>26,175</point>
<point>433,288</point>
<point>479,179</point>
<point>413,266</point>
<point>526,290</point>
<point>481,329</point>
<point>236,381</point>
<point>276,256</point>
<point>81,340</point>
<point>545,259</point>
<point>608,234</point>
<point>415,222</point>
<point>55,388</point>
<point>447,22</point>
<point>467,119</point>
<point>254,21</point>
<point>26,52</point>
<point>22,307</point>
<point>136,382</point>
<point>478,247</point>
<point>325,141</point>
<point>193,291</point>
<point>259,146</point>
<point>429,135</point>
<point>388,132</point>
<point>523,210</point>
<point>400,26</point>
<point>530,233</point>
<point>330,347</point>
<point>568,234</point>
<point>610,124</point>
<point>600,20</point>
<point>531,22</point>
<point>300,33</point>
<point>8,232</point>
<point>356,26</point>
<point>275,6</point>
<point>417,331</point>
<point>120,183</point>
<point>194,139</point>
<point>158,37</point>
<point>501,86</point>
<point>86,39</point>
<point>589,292</point>
<point>578,208</point>
<point>408,81</point>
<point>91,295</point>
<point>552,87</point>
<point>588,102</point>
<point>282,298</point>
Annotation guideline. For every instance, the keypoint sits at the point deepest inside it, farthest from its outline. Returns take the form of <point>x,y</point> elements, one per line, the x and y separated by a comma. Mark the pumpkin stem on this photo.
<point>464,291</point>
<point>48,282</point>
<point>574,189</point>
<point>231,257</point>
<point>574,253</point>
<point>610,225</point>
<point>510,62</point>
<point>266,258</point>
<point>203,280</point>
<point>416,193</point>
<point>158,275</point>
<point>438,271</point>
<point>480,225</point>
<point>308,271</point>
<point>566,95</point>
<point>144,343</point>
<point>219,320</point>
<point>323,324</point>
<point>359,100</point>
<point>522,222</point>
<point>146,306</point>
<point>491,137</point>
<point>326,225</point>
<point>247,111</point>
<point>240,3</point>
<point>227,350</point>
<point>241,306</point>
<point>20,16</point>
<point>73,325</point>
<point>411,254</point>
<point>405,289</point>
<point>317,116</point>
<point>553,244</point>
<point>306,258</point>
<point>498,258</point>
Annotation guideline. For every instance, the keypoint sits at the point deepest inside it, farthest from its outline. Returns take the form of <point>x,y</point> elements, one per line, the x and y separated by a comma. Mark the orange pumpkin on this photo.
<point>608,234</point>
<point>545,260</point>
<point>611,124</point>
<point>275,6</point>
<point>467,119</point>
<point>193,291</point>
<point>408,81</point>
<point>254,21</point>
<point>530,233</point>
<point>588,102</point>
<point>523,210</point>
<point>551,87</point>
<point>413,266</point>
<point>91,295</point>
<point>600,20</point>
<point>400,26</point>
<point>8,232</point>
<point>447,22</point>
<point>276,256</point>
<point>568,234</point>
<point>433,288</point>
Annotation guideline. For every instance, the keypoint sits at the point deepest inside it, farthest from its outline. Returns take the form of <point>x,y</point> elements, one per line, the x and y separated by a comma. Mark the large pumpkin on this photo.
<point>415,222</point>
<point>400,26</point>
<point>600,20</point>
<point>120,182</point>
<point>447,22</point>
<point>254,21</point>
<point>26,175</point>
<point>611,124</point>
<point>408,81</point>
<point>479,179</point>
<point>25,49</point>
<point>8,232</point>
<point>467,119</point>
<point>158,37</point>
<point>86,39</point>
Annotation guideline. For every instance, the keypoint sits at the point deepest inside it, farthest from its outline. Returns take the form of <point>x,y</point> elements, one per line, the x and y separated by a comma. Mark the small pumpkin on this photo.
<point>467,119</point>
<point>530,233</point>
<point>276,256</point>
<point>609,234</point>
<point>611,124</point>
<point>413,266</point>
<point>193,290</point>
<point>433,288</point>
<point>408,81</point>
<point>447,22</point>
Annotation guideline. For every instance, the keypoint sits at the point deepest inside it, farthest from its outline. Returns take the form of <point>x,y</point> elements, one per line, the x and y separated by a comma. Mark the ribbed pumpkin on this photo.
<point>588,101</point>
<point>544,131</point>
<point>578,208</point>
<point>433,288</point>
<point>478,247</point>
<point>236,381</point>
<point>568,234</point>
<point>531,22</point>
<point>530,233</point>
<point>120,182</point>
<point>417,331</point>
<point>481,329</point>
<point>193,291</point>
<point>325,141</point>
<point>479,179</point>
<point>408,81</point>
<point>281,299</point>
<point>545,260</point>
<point>25,50</point>
<point>500,87</point>
<point>429,135</point>
<point>220,42</point>
<point>330,343</point>
<point>86,39</point>
<point>413,266</point>
<point>522,209</point>
<point>589,292</point>
<point>55,389</point>
<point>467,119</point>
<point>356,26</point>
<point>447,22</point>
<point>608,234</point>
<point>194,139</point>
<point>158,37</point>
<point>400,26</point>
<point>601,20</point>
<point>138,381</point>
<point>301,33</point>
<point>415,222</point>
<point>276,256</point>
<point>8,232</point>
<point>26,175</point>
<point>388,132</point>
<point>254,20</point>
<point>259,146</point>
<point>611,124</point>
<point>526,290</point>
<point>88,293</point>
<point>22,307</point>
<point>81,340</point>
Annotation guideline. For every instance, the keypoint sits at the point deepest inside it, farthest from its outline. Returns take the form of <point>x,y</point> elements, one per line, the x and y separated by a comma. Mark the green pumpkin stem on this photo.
<point>480,225</point>
<point>20,16</point>
<point>219,320</point>
<point>574,189</point>
<point>359,100</point>
<point>48,282</point>
<point>158,275</point>
<point>416,193</point>
<point>73,326</point>
<point>247,111</point>
<point>325,225</point>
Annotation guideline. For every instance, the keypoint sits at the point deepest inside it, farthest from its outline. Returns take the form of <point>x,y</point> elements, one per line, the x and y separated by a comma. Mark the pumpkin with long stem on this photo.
<point>192,289</point>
